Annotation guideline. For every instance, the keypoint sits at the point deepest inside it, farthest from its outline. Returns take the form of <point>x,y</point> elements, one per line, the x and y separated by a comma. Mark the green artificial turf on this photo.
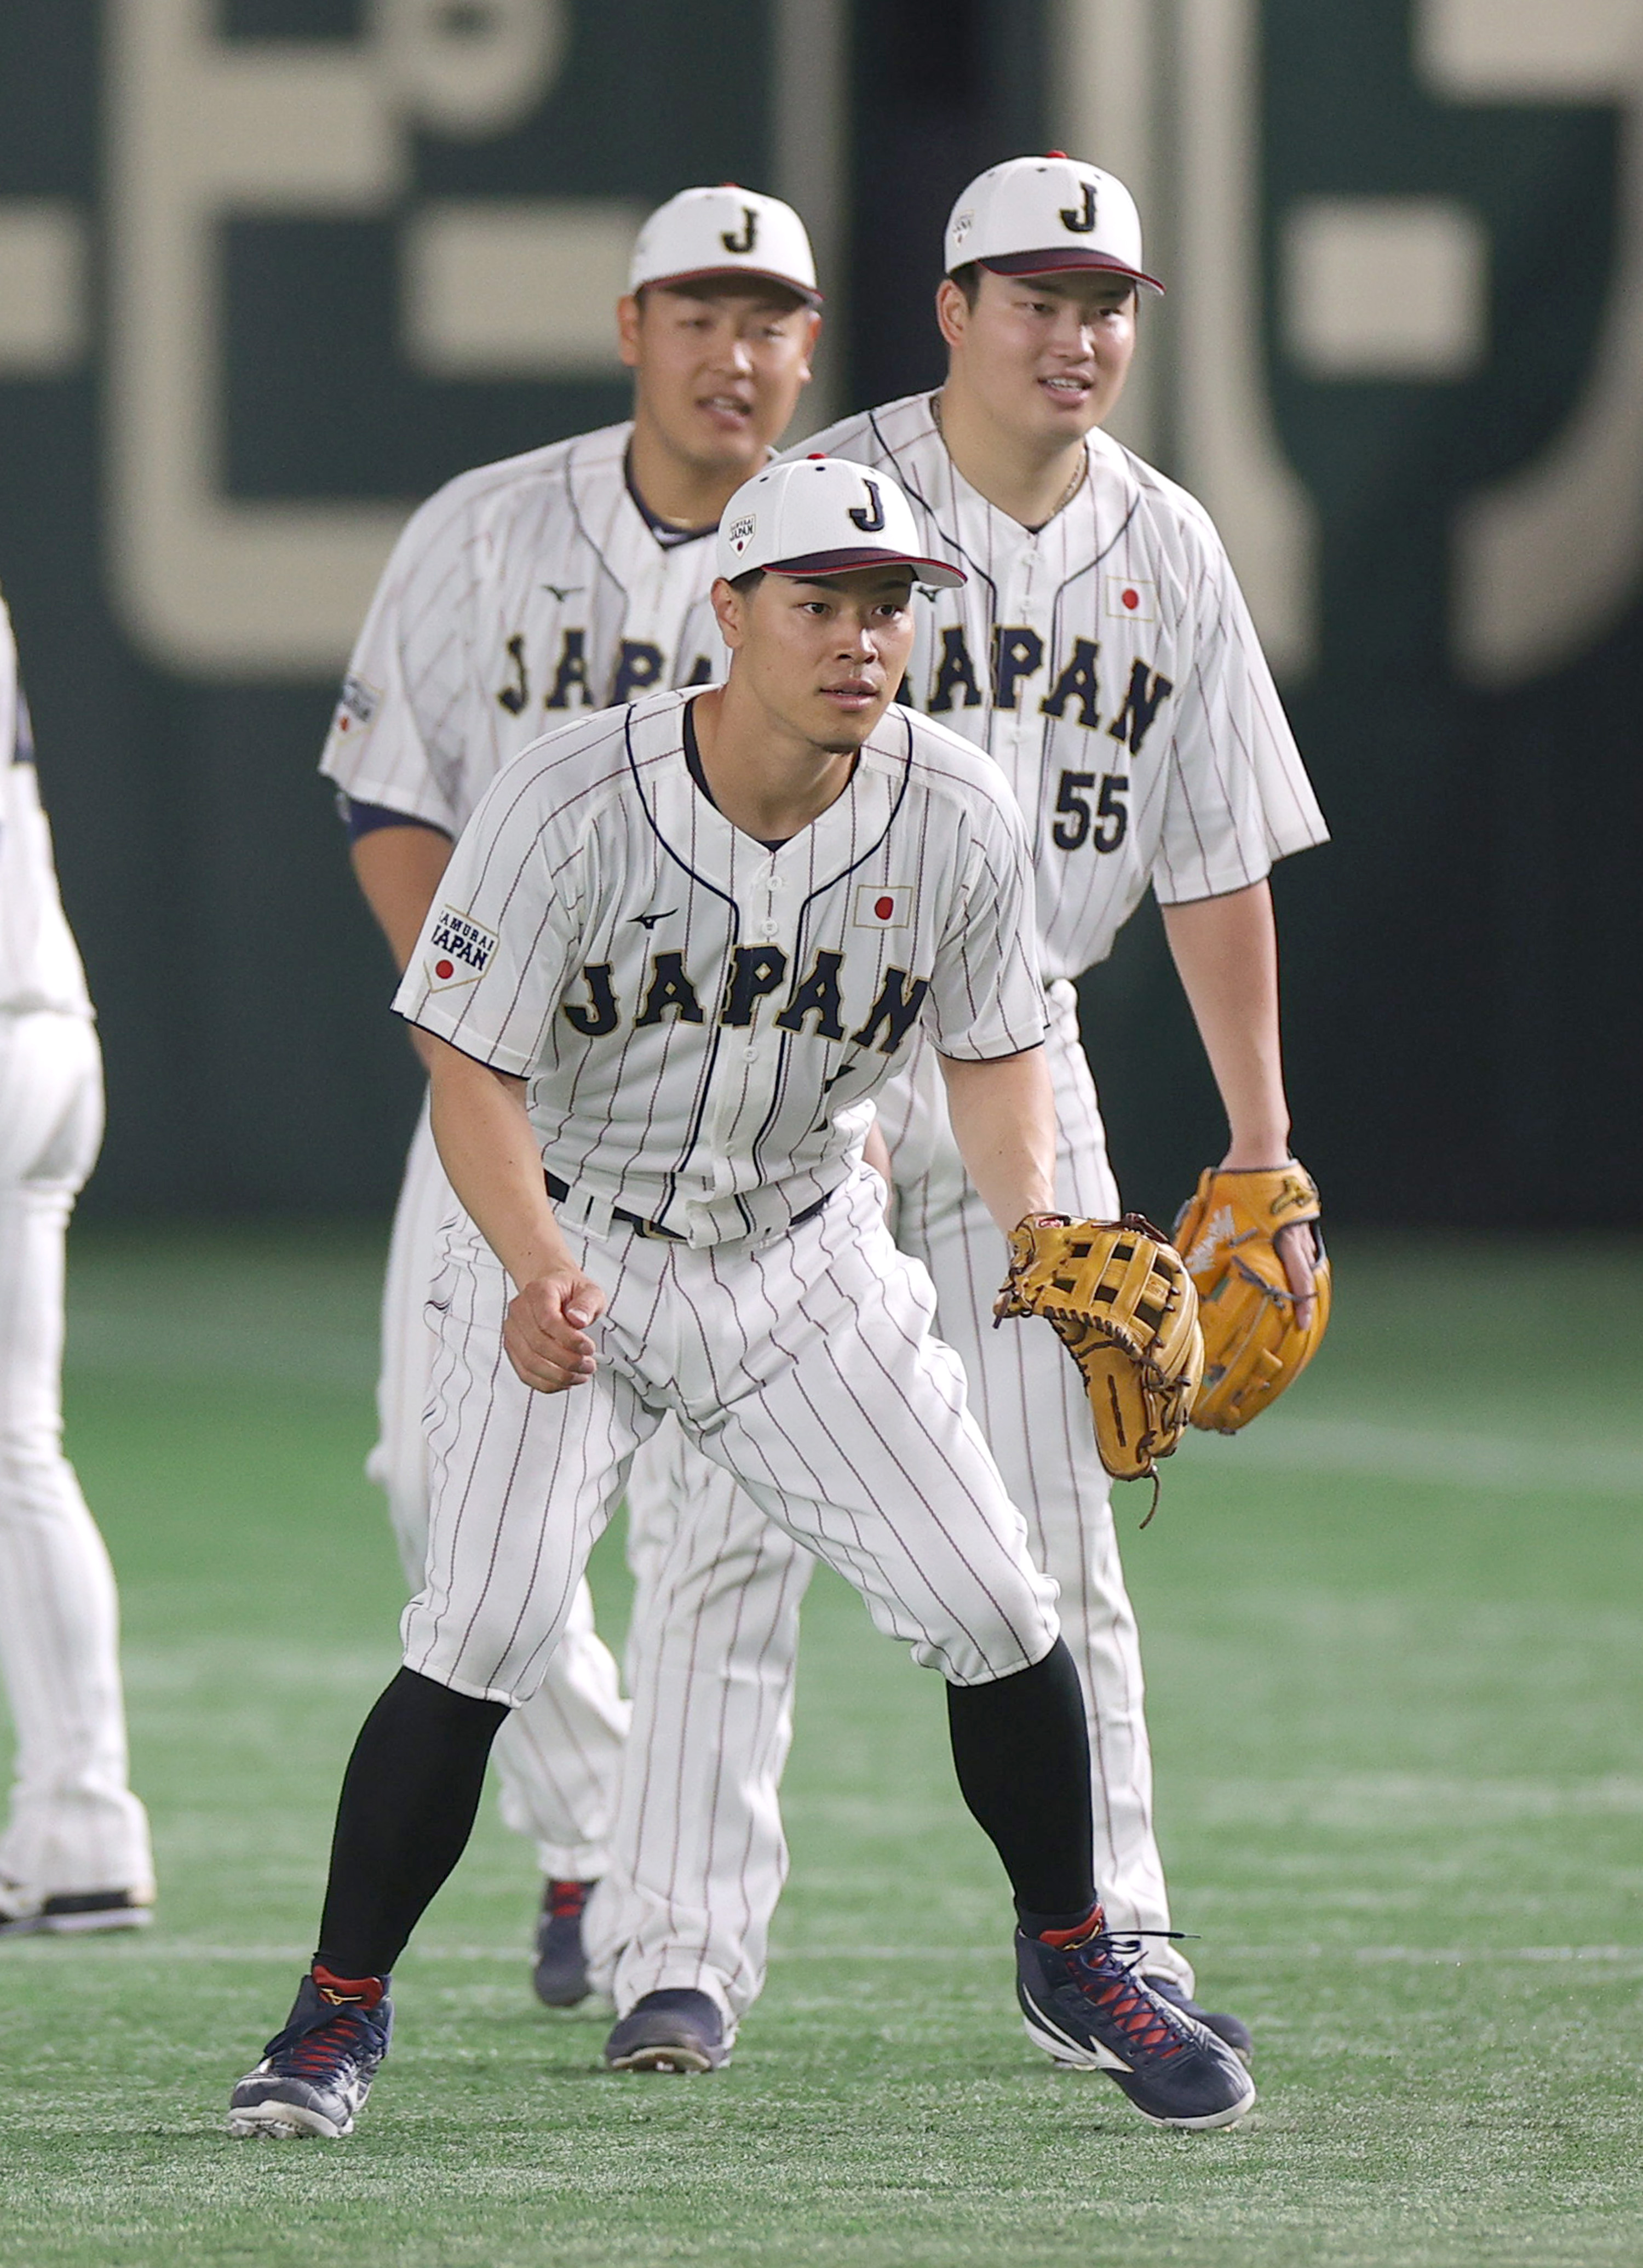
<point>1394,1641</point>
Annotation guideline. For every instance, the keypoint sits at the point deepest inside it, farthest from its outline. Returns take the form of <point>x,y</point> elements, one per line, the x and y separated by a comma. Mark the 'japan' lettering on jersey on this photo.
<point>519,597</point>
<point>702,1020</point>
<point>39,966</point>
<point>1109,664</point>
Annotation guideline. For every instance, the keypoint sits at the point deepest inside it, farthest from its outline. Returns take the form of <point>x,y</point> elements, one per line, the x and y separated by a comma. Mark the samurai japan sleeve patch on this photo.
<point>355,710</point>
<point>458,951</point>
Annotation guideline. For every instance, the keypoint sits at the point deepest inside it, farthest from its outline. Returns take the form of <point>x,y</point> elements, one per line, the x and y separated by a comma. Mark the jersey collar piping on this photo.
<point>666,531</point>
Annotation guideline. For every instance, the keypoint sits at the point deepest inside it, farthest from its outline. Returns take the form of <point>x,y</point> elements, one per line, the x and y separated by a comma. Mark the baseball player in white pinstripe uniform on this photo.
<point>676,951</point>
<point>75,1853</point>
<point>521,596</point>
<point>1103,655</point>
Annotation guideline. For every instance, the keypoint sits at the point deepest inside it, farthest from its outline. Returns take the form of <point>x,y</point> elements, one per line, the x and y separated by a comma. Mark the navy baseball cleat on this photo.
<point>676,2030</point>
<point>315,2075</point>
<point>1232,2030</point>
<point>560,1973</point>
<point>1084,2004</point>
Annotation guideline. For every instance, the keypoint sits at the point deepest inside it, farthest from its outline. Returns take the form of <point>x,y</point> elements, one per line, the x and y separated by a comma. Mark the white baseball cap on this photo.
<point>824,516</point>
<point>1042,215</point>
<point>725,232</point>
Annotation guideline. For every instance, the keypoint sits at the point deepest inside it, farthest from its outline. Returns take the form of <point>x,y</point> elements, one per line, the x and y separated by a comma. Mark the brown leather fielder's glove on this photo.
<point>1252,1346</point>
<point>1118,1294</point>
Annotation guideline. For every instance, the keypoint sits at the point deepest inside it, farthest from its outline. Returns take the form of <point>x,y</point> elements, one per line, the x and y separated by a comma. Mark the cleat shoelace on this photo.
<point>323,2053</point>
<point>1109,1981</point>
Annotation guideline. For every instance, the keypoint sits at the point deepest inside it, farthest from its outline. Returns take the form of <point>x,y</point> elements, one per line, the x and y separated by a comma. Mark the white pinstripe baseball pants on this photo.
<point>74,1825</point>
<point>558,1756</point>
<point>802,1366</point>
<point>698,1857</point>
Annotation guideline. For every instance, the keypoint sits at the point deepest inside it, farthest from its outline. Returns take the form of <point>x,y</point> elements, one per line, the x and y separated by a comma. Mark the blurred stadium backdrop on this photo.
<point>272,269</point>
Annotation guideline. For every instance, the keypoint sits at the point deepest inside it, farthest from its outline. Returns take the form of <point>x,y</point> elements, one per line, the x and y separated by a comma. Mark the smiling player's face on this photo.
<point>1045,355</point>
<point>717,374</point>
<point>823,660</point>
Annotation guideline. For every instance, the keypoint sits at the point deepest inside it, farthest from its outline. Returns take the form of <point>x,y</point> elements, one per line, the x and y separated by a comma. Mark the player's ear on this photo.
<point>627,319</point>
<point>813,332</point>
<point>952,311</point>
<point>729,608</point>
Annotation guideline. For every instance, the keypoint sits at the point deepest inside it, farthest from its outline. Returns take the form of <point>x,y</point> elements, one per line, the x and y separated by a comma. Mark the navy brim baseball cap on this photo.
<point>1066,261</point>
<point>733,277</point>
<point>817,564</point>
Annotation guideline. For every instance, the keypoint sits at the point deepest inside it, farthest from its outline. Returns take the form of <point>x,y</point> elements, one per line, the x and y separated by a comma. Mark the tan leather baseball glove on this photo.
<point>1118,1296</point>
<point>1253,1346</point>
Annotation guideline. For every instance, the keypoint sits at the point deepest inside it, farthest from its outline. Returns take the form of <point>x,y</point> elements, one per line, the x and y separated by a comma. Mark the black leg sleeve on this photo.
<point>409,1797</point>
<point>1022,1752</point>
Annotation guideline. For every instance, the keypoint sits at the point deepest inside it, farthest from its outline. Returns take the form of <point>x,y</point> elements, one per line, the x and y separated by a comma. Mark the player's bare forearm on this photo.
<point>398,869</point>
<point>1226,954</point>
<point>489,1151</point>
<point>1003,1120</point>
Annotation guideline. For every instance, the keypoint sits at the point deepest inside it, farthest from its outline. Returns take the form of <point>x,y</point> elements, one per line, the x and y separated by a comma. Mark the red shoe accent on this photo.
<point>347,1992</point>
<point>565,1901</point>
<point>1093,1922</point>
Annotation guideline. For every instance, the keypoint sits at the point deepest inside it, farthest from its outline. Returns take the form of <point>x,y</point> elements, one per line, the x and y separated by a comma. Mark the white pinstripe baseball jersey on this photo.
<point>39,966</point>
<point>522,595</point>
<point>1109,664</point>
<point>701,1019</point>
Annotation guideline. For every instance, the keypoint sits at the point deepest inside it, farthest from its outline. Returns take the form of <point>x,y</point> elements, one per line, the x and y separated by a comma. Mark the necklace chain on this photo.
<point>1068,493</point>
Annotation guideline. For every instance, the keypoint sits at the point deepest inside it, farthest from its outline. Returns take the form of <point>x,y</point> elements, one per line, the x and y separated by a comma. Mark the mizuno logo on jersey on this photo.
<point>460,950</point>
<point>357,707</point>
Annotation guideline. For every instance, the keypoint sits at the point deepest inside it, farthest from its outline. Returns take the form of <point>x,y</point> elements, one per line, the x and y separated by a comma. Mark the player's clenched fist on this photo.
<point>546,1332</point>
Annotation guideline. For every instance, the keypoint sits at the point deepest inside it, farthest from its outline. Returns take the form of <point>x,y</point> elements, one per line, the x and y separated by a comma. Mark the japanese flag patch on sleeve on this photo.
<point>457,951</point>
